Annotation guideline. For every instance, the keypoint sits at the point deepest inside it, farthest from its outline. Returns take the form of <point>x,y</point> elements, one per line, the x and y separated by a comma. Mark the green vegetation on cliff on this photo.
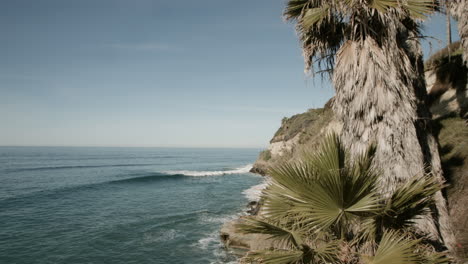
<point>304,124</point>
<point>308,128</point>
<point>453,139</point>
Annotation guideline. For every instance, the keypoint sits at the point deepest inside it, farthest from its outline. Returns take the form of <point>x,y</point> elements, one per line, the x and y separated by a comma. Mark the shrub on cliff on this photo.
<point>327,208</point>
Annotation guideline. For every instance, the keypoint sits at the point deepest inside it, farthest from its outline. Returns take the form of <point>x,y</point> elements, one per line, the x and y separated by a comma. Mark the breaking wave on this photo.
<point>244,169</point>
<point>254,192</point>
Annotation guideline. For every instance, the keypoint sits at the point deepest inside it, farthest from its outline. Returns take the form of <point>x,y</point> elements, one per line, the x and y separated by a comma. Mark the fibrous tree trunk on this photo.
<point>426,137</point>
<point>379,92</point>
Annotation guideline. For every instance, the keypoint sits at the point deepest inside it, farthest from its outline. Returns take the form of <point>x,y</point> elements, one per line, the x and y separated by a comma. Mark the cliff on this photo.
<point>296,134</point>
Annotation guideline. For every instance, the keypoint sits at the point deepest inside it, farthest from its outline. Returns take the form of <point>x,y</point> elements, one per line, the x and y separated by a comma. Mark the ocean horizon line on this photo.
<point>124,146</point>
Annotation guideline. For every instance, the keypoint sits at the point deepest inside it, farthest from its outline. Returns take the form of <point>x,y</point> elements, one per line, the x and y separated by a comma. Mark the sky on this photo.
<point>154,73</point>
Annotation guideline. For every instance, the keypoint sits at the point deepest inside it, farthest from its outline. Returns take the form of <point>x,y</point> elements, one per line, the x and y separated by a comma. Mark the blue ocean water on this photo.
<point>120,205</point>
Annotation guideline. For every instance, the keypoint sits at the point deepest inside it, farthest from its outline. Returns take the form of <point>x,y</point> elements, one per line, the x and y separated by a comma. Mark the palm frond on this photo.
<point>332,191</point>
<point>294,9</point>
<point>284,238</point>
<point>420,9</point>
<point>321,43</point>
<point>370,229</point>
<point>394,249</point>
<point>327,252</point>
<point>383,5</point>
<point>275,257</point>
<point>293,173</point>
<point>410,200</point>
<point>323,26</point>
<point>275,206</point>
<point>320,210</point>
<point>437,258</point>
<point>331,157</point>
<point>364,161</point>
<point>315,16</point>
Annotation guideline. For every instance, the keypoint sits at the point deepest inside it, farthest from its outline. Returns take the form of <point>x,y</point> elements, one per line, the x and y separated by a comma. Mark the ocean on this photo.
<point>120,205</point>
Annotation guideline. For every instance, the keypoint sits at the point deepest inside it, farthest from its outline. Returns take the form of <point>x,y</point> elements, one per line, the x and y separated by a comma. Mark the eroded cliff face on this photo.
<point>297,134</point>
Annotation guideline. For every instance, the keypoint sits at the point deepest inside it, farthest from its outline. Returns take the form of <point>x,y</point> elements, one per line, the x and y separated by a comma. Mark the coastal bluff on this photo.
<point>446,79</point>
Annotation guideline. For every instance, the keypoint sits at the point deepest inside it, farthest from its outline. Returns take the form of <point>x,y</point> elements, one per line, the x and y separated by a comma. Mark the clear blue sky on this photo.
<point>206,73</point>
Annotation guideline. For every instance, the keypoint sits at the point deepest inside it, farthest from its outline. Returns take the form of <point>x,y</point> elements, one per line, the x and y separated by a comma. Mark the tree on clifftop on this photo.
<point>371,50</point>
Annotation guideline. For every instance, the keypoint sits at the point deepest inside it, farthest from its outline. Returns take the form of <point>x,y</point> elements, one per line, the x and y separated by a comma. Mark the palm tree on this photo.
<point>327,209</point>
<point>459,10</point>
<point>372,53</point>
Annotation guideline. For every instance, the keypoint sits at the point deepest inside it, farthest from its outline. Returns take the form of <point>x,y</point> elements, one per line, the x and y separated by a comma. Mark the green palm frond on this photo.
<point>331,157</point>
<point>359,185</point>
<point>275,206</point>
<point>284,237</point>
<point>345,188</point>
<point>327,252</point>
<point>420,9</point>
<point>364,161</point>
<point>275,257</point>
<point>293,173</point>
<point>320,211</point>
<point>371,228</point>
<point>323,211</point>
<point>329,190</point>
<point>410,200</point>
<point>294,9</point>
<point>394,249</point>
<point>315,16</point>
<point>291,182</point>
<point>383,5</point>
<point>437,258</point>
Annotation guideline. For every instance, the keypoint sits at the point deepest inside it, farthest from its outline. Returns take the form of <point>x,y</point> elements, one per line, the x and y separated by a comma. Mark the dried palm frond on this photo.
<point>325,25</point>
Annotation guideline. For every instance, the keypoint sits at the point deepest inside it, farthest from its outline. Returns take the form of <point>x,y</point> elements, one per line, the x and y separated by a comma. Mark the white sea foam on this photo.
<point>212,240</point>
<point>219,219</point>
<point>161,236</point>
<point>254,192</point>
<point>213,244</point>
<point>240,170</point>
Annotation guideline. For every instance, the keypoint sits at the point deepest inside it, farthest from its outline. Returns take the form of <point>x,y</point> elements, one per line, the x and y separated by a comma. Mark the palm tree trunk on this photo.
<point>427,140</point>
<point>377,101</point>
